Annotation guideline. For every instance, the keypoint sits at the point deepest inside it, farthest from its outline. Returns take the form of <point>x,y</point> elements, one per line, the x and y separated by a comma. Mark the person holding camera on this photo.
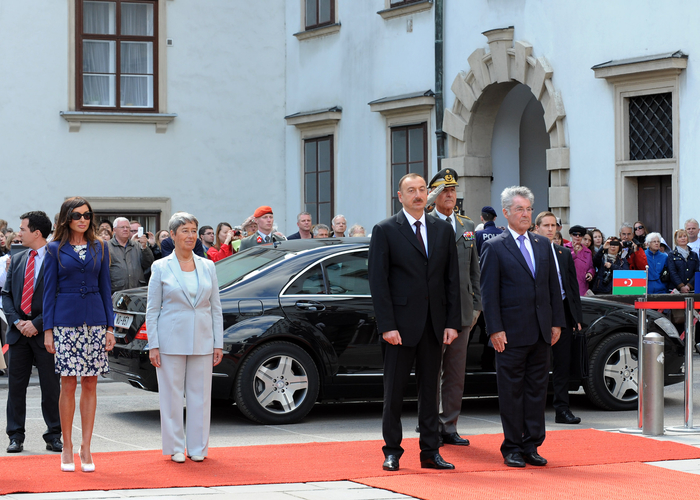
<point>657,262</point>
<point>632,248</point>
<point>222,248</point>
<point>682,264</point>
<point>130,258</point>
<point>607,260</point>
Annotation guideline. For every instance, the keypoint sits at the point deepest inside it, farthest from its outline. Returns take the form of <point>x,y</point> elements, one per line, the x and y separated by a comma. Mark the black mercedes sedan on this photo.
<point>299,328</point>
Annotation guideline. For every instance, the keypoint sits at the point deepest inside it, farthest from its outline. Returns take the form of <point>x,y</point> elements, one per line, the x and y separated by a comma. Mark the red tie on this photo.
<point>28,290</point>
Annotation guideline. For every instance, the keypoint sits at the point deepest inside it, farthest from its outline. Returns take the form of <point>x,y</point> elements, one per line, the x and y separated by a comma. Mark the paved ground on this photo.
<point>128,419</point>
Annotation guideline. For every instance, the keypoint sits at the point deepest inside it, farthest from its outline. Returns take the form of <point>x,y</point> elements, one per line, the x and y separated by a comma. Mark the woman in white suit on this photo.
<point>185,337</point>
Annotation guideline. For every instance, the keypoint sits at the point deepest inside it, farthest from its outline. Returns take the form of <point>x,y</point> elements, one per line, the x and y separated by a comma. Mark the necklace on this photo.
<point>184,261</point>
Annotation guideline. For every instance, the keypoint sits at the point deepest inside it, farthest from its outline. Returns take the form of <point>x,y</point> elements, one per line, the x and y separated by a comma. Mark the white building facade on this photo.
<point>593,108</point>
<point>144,107</point>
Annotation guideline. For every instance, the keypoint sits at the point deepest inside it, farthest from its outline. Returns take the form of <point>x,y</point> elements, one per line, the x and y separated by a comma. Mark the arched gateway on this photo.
<point>470,123</point>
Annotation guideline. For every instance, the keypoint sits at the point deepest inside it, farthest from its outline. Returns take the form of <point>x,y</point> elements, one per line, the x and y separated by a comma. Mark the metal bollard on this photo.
<point>653,389</point>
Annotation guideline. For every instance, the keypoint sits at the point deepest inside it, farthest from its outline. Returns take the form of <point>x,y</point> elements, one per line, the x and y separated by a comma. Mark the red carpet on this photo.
<point>355,460</point>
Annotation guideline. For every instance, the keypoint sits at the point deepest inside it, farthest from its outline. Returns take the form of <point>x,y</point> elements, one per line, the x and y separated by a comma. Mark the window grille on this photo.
<point>651,129</point>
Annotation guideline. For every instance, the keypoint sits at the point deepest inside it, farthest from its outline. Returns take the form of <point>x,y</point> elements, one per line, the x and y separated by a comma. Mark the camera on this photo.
<point>607,276</point>
<point>627,244</point>
<point>236,233</point>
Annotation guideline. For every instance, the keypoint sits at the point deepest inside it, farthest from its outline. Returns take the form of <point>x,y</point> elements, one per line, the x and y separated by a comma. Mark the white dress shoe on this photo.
<point>197,458</point>
<point>178,457</point>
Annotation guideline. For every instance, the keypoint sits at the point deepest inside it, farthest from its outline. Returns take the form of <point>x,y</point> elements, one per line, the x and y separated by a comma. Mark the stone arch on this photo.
<point>479,93</point>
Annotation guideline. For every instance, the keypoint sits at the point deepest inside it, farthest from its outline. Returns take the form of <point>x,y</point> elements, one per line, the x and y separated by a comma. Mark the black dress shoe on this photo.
<point>15,446</point>
<point>391,462</point>
<point>435,462</point>
<point>534,458</point>
<point>566,417</point>
<point>514,460</point>
<point>54,445</point>
<point>454,438</point>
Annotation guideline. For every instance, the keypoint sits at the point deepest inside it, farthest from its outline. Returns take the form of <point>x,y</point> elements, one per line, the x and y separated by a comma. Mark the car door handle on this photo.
<point>308,305</point>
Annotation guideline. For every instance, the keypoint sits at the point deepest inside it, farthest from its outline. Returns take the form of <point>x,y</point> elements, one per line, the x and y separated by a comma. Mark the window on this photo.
<point>309,283</point>
<point>318,178</point>
<point>149,220</point>
<point>398,3</point>
<point>651,126</point>
<point>116,55</point>
<point>408,155</point>
<point>347,274</point>
<point>319,13</point>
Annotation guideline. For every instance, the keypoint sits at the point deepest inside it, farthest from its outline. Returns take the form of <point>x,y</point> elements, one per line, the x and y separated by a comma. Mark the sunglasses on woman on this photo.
<point>78,215</point>
<point>638,228</point>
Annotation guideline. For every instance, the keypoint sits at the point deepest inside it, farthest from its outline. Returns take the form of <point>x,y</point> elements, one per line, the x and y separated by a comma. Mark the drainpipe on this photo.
<point>439,104</point>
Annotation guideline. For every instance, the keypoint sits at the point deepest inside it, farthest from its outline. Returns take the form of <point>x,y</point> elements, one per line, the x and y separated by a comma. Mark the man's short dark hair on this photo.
<point>38,221</point>
<point>203,229</point>
<point>488,217</point>
<point>106,221</point>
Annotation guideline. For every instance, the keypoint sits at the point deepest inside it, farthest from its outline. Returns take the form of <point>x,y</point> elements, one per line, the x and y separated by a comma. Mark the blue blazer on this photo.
<point>515,302</point>
<point>77,292</point>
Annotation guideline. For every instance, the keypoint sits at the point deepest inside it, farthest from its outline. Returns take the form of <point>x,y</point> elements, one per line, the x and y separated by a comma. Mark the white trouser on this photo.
<point>180,377</point>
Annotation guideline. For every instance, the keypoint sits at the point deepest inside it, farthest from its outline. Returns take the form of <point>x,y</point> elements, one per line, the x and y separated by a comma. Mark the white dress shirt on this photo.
<point>38,261</point>
<point>423,231</point>
<point>452,219</point>
<point>528,247</point>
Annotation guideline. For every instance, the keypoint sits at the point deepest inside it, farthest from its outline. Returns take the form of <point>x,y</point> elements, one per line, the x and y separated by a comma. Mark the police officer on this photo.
<point>454,356</point>
<point>488,216</point>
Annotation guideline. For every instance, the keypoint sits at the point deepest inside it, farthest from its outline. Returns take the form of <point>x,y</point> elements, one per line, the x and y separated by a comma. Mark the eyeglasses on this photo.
<point>78,215</point>
<point>637,228</point>
<point>521,210</point>
<point>16,242</point>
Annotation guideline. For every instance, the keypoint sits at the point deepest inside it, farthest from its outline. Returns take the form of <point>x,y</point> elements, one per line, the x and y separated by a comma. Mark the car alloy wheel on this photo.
<point>612,383</point>
<point>277,384</point>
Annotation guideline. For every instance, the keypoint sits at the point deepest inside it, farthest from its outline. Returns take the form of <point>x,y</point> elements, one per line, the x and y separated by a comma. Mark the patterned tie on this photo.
<point>420,237</point>
<point>28,290</point>
<point>526,254</point>
<point>267,239</point>
<point>449,221</point>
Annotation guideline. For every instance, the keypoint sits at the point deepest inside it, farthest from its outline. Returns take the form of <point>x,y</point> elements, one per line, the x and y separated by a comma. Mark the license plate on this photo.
<point>123,320</point>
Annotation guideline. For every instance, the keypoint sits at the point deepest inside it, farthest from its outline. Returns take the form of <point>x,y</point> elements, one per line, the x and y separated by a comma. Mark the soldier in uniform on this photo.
<point>454,355</point>
<point>265,220</point>
<point>488,215</point>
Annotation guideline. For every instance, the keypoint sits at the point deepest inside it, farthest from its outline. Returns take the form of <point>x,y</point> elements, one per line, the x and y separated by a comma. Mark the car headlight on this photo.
<point>668,328</point>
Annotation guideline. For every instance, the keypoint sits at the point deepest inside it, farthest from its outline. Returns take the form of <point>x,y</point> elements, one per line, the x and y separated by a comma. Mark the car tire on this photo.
<point>277,384</point>
<point>612,373</point>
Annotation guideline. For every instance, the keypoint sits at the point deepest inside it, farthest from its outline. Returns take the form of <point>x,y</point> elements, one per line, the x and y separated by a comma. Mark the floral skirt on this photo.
<point>80,350</point>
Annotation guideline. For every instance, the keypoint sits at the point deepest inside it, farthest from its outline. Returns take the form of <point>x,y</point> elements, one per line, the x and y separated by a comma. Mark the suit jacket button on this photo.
<point>82,270</point>
<point>82,283</point>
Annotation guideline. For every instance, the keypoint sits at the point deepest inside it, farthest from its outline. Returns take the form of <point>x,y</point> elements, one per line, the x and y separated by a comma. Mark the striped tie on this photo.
<point>28,290</point>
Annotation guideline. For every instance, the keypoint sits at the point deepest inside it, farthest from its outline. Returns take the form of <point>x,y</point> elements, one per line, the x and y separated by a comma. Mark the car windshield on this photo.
<point>235,268</point>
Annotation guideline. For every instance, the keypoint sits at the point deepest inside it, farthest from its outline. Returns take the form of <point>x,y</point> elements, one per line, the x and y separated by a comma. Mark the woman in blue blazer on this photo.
<point>78,320</point>
<point>186,339</point>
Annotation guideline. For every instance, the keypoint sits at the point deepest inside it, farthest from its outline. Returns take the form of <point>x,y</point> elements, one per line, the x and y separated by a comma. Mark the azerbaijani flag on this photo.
<point>629,282</point>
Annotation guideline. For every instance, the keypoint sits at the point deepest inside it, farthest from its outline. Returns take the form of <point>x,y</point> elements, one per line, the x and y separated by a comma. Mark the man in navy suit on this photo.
<point>524,314</point>
<point>22,301</point>
<point>414,280</point>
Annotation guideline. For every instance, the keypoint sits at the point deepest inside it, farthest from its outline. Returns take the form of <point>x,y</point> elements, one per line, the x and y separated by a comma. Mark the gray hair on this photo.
<point>302,213</point>
<point>511,192</point>
<point>321,226</point>
<point>626,224</point>
<point>180,218</point>
<point>652,236</point>
<point>690,221</point>
<point>357,229</point>
<point>336,217</point>
<point>120,219</point>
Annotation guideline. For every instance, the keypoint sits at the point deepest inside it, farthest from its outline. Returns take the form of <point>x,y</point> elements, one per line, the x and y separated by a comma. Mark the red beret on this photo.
<point>260,211</point>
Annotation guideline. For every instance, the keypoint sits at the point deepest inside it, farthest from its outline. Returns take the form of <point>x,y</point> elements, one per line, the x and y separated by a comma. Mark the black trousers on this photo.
<point>398,361</point>
<point>522,374</point>
<point>561,363</point>
<point>22,355</point>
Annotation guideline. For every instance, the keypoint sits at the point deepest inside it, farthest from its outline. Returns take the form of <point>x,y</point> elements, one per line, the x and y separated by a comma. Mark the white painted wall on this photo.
<point>222,156</point>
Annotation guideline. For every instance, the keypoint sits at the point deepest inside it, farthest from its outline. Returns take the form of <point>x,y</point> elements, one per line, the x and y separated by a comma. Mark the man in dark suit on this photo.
<point>546,225</point>
<point>454,356</point>
<point>414,280</point>
<point>22,299</point>
<point>524,315</point>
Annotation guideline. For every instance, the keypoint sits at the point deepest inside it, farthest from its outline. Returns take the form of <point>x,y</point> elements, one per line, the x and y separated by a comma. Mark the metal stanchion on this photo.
<point>689,345</point>
<point>653,388</point>
<point>642,327</point>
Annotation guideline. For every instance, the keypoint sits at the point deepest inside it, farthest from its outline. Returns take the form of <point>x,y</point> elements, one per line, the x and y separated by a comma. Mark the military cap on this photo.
<point>446,176</point>
<point>260,211</point>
